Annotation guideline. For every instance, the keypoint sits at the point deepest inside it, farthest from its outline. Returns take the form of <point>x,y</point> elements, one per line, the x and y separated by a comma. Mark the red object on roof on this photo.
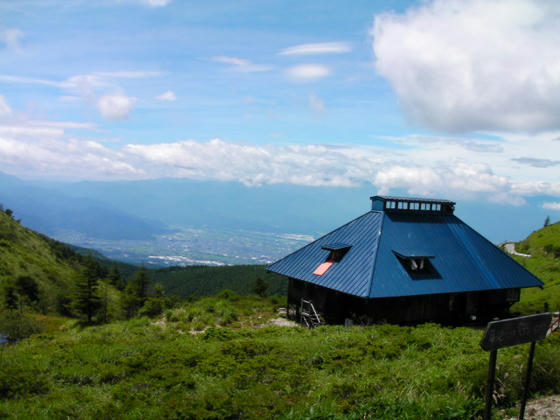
<point>322,269</point>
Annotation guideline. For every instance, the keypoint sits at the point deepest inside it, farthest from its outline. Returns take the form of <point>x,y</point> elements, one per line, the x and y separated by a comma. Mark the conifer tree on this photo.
<point>136,292</point>
<point>114,277</point>
<point>86,300</point>
<point>141,284</point>
<point>260,287</point>
<point>10,297</point>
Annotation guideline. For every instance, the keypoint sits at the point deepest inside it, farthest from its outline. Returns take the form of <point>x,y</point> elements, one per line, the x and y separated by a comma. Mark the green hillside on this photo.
<point>544,247</point>
<point>208,281</point>
<point>49,267</point>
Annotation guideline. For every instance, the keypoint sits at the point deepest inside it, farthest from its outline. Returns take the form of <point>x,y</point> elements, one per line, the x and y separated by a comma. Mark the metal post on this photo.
<point>490,384</point>
<point>527,381</point>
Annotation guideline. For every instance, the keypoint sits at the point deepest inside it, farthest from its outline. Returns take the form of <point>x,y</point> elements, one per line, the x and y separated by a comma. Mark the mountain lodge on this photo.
<point>408,260</point>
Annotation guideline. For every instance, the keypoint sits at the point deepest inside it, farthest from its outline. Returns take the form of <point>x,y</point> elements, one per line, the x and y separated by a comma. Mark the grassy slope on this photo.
<point>545,266</point>
<point>145,370</point>
<point>25,253</point>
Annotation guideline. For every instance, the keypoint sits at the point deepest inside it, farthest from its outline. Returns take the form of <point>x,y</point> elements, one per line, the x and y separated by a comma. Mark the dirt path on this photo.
<point>510,249</point>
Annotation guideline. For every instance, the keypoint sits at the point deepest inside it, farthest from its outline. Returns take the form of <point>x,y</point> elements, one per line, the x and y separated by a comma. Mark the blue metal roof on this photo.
<point>337,246</point>
<point>463,260</point>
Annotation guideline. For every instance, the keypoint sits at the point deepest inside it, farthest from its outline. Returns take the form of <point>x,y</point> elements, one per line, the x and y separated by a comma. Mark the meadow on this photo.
<point>223,357</point>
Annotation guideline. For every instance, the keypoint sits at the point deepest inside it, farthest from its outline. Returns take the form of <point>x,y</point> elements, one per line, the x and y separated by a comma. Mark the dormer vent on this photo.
<point>390,204</point>
<point>417,265</point>
<point>337,250</point>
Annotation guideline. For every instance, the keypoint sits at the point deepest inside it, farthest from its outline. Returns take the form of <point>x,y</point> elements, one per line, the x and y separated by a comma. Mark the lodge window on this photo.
<point>418,267</point>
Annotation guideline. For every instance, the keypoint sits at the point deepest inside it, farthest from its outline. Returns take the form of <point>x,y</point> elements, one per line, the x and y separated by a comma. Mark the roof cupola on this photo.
<point>389,204</point>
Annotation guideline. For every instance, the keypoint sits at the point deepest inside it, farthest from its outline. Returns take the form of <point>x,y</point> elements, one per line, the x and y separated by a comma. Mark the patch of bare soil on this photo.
<point>543,408</point>
<point>283,322</point>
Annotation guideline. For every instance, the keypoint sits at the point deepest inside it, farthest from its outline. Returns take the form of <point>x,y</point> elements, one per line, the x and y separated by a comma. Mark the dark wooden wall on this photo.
<point>454,308</point>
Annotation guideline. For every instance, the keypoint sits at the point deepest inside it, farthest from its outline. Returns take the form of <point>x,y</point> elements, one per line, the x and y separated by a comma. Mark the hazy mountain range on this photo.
<point>212,218</point>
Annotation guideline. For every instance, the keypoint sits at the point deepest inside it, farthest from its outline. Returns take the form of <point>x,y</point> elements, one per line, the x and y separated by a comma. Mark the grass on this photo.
<point>545,264</point>
<point>239,366</point>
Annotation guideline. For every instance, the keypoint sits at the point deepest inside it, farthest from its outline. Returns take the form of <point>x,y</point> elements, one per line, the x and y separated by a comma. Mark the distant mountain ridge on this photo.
<point>143,208</point>
<point>51,211</point>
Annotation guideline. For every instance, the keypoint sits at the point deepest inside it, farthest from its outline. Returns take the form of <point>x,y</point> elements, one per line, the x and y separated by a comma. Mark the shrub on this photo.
<point>17,326</point>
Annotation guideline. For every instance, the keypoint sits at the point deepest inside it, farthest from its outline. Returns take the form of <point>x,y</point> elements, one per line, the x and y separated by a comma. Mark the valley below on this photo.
<point>185,246</point>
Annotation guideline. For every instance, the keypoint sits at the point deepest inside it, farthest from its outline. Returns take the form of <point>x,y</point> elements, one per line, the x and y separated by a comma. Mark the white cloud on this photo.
<point>43,148</point>
<point>444,166</point>
<point>241,64</point>
<point>551,205</point>
<point>307,72</point>
<point>317,48</point>
<point>157,3</point>
<point>316,104</point>
<point>115,107</point>
<point>5,110</point>
<point>82,82</point>
<point>467,65</point>
<point>451,179</point>
<point>11,38</point>
<point>168,96</point>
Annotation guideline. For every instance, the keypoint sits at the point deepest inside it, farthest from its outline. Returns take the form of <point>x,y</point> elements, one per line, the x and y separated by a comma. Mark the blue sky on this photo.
<point>452,99</point>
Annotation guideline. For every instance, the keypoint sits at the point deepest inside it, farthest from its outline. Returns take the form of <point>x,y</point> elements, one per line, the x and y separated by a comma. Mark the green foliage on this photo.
<point>260,287</point>
<point>544,247</point>
<point>136,293</point>
<point>17,326</point>
<point>140,369</point>
<point>86,300</point>
<point>10,296</point>
<point>40,271</point>
<point>208,281</point>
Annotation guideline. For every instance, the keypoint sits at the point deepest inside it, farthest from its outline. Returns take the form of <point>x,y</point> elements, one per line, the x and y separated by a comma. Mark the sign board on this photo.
<point>514,331</point>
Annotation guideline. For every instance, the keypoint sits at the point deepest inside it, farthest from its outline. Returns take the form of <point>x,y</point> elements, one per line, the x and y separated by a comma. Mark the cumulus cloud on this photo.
<point>43,148</point>
<point>116,107</point>
<point>241,64</point>
<point>529,188</point>
<point>418,164</point>
<point>551,205</point>
<point>168,96</point>
<point>307,72</point>
<point>11,38</point>
<point>320,165</point>
<point>316,165</point>
<point>467,65</point>
<point>468,179</point>
<point>317,48</point>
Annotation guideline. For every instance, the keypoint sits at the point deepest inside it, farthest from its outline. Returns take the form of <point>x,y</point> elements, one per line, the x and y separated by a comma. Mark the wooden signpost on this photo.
<point>511,332</point>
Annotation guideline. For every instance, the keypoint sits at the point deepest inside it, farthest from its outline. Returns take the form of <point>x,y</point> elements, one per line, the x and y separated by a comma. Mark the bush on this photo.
<point>17,326</point>
<point>152,307</point>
